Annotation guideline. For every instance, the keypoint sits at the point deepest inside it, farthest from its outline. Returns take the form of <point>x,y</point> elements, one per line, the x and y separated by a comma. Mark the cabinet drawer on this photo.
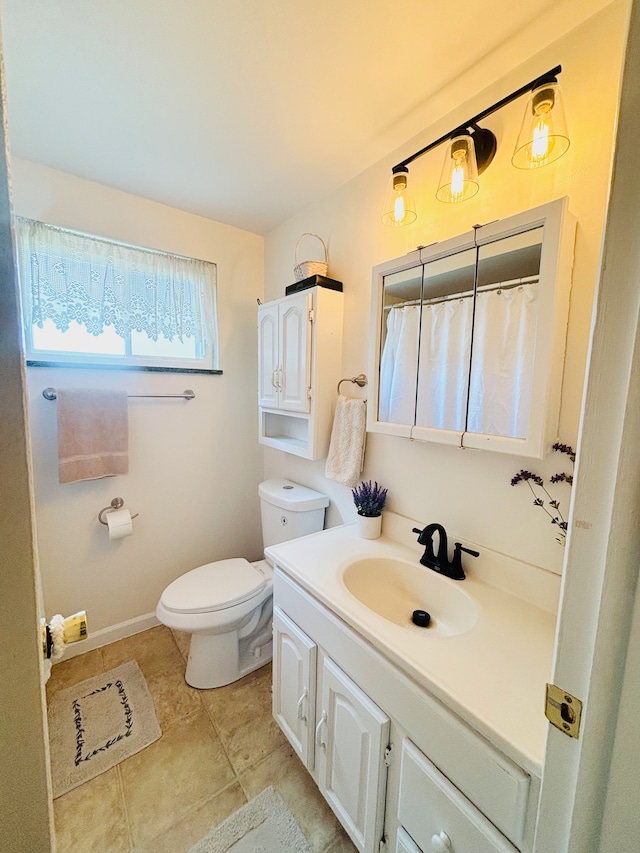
<point>404,842</point>
<point>430,808</point>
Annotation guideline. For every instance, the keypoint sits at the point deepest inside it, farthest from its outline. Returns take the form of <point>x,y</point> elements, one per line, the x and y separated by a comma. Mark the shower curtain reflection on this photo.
<point>450,387</point>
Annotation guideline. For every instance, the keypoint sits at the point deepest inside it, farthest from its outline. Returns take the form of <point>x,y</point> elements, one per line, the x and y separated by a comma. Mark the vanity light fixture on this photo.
<point>399,206</point>
<point>467,156</point>
<point>543,138</point>
<point>543,135</point>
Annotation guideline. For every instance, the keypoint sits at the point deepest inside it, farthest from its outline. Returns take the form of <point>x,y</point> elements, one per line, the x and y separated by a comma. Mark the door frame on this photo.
<point>601,562</point>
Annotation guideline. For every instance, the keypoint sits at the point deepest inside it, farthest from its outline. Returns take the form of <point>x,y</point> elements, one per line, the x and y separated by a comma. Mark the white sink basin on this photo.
<point>394,588</point>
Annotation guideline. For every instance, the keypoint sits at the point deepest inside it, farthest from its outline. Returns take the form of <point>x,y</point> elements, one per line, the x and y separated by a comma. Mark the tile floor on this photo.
<point>219,748</point>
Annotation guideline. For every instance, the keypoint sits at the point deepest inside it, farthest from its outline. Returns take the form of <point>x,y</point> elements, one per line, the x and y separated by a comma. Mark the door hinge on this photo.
<point>563,710</point>
<point>309,393</point>
<point>388,757</point>
<point>312,315</point>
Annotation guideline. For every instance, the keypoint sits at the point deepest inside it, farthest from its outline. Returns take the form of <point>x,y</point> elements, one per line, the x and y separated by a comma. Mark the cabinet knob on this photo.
<point>440,843</point>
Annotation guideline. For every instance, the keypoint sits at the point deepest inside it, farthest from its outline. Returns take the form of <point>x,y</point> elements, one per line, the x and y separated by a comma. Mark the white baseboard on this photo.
<point>104,636</point>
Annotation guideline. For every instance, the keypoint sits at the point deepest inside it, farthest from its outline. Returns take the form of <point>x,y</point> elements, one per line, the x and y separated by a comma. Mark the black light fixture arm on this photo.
<point>549,77</point>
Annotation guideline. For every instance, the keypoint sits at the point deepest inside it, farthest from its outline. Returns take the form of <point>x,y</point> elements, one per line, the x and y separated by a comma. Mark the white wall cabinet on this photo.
<point>400,771</point>
<point>284,347</point>
<point>299,357</point>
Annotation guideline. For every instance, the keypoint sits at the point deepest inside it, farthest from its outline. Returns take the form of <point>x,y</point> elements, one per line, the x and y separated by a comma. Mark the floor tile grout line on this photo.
<point>193,808</point>
<point>124,807</point>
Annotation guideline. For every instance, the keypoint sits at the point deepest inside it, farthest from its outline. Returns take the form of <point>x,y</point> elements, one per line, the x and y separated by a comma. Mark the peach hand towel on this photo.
<point>93,434</point>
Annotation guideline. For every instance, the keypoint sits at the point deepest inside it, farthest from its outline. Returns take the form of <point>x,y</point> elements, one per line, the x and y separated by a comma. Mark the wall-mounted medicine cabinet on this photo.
<point>468,335</point>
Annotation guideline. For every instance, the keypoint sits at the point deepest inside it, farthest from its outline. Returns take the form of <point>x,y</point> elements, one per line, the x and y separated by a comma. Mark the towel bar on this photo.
<point>50,394</point>
<point>360,380</point>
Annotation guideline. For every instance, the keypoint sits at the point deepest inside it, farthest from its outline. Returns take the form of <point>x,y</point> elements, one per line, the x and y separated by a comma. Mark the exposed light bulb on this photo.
<point>543,135</point>
<point>540,142</point>
<point>457,179</point>
<point>399,210</point>
<point>459,176</point>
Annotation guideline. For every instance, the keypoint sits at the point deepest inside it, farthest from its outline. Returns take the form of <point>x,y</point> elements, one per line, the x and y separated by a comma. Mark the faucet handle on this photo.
<point>420,534</point>
<point>457,572</point>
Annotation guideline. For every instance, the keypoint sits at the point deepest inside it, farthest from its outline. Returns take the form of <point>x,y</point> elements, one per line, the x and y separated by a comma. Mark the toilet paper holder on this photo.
<point>116,503</point>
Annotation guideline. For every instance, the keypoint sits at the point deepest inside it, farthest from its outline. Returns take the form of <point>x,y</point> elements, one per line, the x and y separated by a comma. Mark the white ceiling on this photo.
<point>245,111</point>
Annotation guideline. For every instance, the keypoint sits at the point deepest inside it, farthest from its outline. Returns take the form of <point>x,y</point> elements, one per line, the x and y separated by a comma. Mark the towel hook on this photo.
<point>360,380</point>
<point>116,503</point>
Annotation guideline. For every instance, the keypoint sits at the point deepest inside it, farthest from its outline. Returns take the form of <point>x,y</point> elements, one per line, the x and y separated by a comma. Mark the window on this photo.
<point>91,301</point>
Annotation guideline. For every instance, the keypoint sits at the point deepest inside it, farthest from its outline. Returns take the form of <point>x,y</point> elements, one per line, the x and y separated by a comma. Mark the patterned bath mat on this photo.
<point>98,723</point>
<point>264,825</point>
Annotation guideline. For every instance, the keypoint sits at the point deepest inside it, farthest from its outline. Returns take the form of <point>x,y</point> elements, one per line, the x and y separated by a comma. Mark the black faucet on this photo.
<point>440,562</point>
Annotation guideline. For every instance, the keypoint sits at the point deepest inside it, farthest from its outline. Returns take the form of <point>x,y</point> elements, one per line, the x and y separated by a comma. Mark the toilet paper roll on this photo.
<point>119,523</point>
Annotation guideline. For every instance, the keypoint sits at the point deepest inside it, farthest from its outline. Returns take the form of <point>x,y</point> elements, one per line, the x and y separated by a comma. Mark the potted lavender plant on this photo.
<point>369,501</point>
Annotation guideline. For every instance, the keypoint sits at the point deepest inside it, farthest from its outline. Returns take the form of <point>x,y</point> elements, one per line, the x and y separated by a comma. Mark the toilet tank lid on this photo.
<point>291,496</point>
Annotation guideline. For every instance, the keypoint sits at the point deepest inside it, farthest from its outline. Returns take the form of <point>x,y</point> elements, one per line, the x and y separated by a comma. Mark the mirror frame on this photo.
<point>556,265</point>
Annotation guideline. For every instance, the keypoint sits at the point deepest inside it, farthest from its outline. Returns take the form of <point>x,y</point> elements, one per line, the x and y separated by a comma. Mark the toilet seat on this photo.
<point>214,586</point>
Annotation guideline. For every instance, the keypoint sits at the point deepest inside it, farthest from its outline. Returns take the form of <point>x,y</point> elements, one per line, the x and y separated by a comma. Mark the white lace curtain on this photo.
<point>69,276</point>
<point>495,383</point>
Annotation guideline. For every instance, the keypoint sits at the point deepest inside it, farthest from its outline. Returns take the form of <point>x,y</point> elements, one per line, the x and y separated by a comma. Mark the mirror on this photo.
<point>504,334</point>
<point>467,333</point>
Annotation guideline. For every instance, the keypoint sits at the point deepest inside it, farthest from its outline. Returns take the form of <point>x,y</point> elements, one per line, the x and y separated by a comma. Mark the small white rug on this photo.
<point>98,723</point>
<point>264,825</point>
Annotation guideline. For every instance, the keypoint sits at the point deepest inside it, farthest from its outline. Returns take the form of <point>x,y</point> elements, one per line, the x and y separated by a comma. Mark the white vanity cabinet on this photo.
<point>337,731</point>
<point>299,355</point>
<point>352,734</point>
<point>294,695</point>
<point>395,765</point>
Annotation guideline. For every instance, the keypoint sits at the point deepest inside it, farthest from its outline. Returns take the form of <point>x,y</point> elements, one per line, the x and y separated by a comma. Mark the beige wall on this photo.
<point>469,491</point>
<point>194,466</point>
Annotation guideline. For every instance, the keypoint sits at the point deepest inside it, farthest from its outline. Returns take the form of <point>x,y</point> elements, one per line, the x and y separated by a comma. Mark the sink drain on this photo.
<point>421,618</point>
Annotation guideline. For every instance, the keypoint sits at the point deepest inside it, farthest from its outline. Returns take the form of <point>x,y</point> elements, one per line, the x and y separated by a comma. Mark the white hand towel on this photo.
<point>346,450</point>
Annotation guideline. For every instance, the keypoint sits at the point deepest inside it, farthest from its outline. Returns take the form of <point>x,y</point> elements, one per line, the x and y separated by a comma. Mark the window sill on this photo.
<point>155,369</point>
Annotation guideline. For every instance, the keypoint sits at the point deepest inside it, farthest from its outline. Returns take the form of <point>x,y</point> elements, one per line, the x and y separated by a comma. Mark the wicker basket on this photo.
<point>308,268</point>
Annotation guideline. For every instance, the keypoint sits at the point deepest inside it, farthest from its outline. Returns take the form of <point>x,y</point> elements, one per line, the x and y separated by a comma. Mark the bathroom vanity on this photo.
<point>419,739</point>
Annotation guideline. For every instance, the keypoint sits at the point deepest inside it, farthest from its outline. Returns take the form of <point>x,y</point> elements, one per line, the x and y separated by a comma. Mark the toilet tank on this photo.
<point>289,510</point>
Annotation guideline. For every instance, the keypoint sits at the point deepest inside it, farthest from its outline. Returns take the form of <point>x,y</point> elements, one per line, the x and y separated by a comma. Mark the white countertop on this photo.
<point>493,676</point>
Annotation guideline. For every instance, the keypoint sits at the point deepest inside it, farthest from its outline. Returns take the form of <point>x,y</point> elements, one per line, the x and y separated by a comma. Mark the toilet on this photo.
<point>227,606</point>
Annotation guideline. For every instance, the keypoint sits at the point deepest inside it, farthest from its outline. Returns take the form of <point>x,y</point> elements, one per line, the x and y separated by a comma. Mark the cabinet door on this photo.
<point>294,674</point>
<point>295,352</point>
<point>268,363</point>
<point>352,734</point>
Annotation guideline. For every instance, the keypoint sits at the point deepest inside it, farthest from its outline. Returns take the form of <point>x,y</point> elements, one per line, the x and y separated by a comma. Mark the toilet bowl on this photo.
<point>227,605</point>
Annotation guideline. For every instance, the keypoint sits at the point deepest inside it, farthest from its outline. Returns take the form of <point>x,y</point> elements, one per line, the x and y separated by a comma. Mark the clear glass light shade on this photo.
<point>399,205</point>
<point>543,135</point>
<point>459,177</point>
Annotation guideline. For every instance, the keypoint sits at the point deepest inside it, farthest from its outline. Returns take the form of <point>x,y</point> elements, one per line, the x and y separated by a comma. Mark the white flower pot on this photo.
<point>368,527</point>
